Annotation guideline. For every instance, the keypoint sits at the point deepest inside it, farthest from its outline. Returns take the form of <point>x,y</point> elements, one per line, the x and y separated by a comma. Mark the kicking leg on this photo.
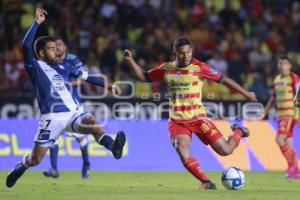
<point>88,124</point>
<point>182,144</point>
<point>226,147</point>
<point>31,160</point>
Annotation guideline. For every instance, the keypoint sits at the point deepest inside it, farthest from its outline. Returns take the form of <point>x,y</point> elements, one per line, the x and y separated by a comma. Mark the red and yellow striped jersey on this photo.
<point>185,88</point>
<point>284,91</point>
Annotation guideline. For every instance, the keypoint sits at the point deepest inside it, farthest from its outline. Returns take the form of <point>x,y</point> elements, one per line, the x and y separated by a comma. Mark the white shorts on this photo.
<point>51,125</point>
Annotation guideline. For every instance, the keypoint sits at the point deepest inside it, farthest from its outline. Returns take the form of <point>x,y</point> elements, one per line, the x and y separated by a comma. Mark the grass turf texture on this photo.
<point>145,185</point>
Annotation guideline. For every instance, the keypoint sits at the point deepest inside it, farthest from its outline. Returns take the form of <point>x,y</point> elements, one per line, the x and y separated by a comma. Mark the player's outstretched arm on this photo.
<point>40,15</point>
<point>134,67</point>
<point>91,79</point>
<point>235,86</point>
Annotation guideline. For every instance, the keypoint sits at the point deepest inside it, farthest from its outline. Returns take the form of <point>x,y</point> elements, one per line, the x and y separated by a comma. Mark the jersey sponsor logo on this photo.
<point>58,84</point>
<point>173,83</point>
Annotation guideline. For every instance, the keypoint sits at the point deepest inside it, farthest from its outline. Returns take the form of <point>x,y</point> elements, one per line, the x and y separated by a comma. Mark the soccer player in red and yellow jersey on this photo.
<point>285,86</point>
<point>184,77</point>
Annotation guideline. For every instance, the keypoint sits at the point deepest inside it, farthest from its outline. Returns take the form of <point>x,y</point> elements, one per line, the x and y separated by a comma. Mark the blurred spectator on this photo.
<point>108,60</point>
<point>218,63</point>
<point>237,68</point>
<point>93,68</point>
<point>258,86</point>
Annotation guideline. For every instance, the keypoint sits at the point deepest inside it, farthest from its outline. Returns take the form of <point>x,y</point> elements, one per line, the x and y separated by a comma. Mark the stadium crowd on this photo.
<point>240,38</point>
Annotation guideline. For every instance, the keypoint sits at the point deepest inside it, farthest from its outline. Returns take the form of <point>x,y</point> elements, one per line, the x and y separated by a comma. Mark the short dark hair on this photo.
<point>41,42</point>
<point>285,57</point>
<point>181,42</point>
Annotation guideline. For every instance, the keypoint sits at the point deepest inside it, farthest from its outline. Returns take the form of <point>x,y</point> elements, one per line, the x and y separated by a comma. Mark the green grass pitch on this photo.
<point>108,185</point>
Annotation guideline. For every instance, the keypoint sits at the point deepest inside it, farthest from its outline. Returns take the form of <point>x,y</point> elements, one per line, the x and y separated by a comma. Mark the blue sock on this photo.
<point>53,156</point>
<point>107,142</point>
<point>85,155</point>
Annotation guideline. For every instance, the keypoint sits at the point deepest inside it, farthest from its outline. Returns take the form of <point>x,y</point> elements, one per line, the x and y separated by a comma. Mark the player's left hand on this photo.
<point>251,96</point>
<point>115,89</point>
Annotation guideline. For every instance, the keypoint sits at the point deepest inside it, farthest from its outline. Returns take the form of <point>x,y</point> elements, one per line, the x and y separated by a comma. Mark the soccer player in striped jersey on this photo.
<point>82,139</point>
<point>59,109</point>
<point>184,77</point>
<point>285,86</point>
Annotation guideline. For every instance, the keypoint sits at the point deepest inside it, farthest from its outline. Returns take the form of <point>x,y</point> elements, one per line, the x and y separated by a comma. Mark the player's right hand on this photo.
<point>40,15</point>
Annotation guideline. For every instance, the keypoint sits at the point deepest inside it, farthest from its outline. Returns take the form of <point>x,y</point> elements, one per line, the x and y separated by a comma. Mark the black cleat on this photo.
<point>15,174</point>
<point>245,131</point>
<point>85,172</point>
<point>117,147</point>
<point>208,185</point>
<point>54,173</point>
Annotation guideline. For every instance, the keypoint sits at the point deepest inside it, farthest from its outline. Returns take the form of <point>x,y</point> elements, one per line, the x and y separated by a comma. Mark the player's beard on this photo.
<point>184,63</point>
<point>50,60</point>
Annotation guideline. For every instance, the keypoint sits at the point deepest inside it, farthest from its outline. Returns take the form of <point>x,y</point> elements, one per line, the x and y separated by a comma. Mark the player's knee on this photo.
<point>182,148</point>
<point>224,151</point>
<point>34,161</point>
<point>90,120</point>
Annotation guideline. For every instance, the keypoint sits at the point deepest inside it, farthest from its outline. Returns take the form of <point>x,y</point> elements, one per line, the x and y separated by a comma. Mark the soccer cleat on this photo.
<point>207,185</point>
<point>245,131</point>
<point>119,142</point>
<point>292,173</point>
<point>15,174</point>
<point>54,173</point>
<point>85,172</point>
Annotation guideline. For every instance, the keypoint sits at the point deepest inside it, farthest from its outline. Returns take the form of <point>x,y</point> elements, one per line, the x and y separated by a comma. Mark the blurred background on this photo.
<point>238,37</point>
<point>241,38</point>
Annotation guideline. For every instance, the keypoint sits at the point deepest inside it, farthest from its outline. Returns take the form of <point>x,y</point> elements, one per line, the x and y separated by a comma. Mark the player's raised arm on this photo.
<point>209,73</point>
<point>139,73</point>
<point>228,82</point>
<point>27,42</point>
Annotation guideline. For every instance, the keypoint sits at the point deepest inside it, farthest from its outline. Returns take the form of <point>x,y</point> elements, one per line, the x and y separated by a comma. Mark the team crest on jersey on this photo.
<point>57,80</point>
<point>213,71</point>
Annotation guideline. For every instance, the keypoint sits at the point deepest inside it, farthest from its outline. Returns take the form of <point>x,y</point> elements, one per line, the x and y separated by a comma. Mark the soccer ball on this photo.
<point>233,178</point>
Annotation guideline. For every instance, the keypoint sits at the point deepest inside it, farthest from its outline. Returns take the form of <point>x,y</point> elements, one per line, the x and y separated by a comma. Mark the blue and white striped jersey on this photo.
<point>51,81</point>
